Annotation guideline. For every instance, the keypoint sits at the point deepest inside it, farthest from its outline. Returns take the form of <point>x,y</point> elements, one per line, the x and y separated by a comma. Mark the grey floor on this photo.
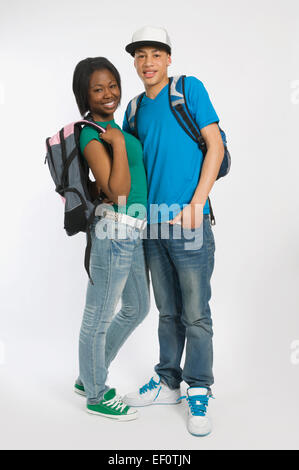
<point>40,411</point>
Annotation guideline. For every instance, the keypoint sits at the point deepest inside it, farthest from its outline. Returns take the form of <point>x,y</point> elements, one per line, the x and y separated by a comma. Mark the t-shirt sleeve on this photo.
<point>126,126</point>
<point>87,134</point>
<point>199,103</point>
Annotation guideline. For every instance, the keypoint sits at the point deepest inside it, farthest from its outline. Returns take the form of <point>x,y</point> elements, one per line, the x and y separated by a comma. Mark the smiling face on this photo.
<point>151,65</point>
<point>103,95</point>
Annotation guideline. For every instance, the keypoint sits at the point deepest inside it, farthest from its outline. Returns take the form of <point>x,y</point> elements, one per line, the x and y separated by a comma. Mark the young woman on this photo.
<point>117,263</point>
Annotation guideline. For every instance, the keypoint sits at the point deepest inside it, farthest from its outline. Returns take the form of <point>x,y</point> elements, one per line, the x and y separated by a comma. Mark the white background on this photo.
<point>246,53</point>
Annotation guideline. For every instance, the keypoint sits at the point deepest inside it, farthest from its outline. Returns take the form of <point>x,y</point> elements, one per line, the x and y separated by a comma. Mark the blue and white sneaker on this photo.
<point>153,393</point>
<point>198,423</point>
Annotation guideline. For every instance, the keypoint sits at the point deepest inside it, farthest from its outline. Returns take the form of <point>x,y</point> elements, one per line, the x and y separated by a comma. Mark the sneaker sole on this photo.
<point>200,435</point>
<point>130,417</point>
<point>79,392</point>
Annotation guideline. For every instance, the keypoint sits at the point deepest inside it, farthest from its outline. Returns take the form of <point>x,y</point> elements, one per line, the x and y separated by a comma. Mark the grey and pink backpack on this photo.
<point>70,173</point>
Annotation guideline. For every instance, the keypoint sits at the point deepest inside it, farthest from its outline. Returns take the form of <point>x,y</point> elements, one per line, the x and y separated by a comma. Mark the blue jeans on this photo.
<point>118,270</point>
<point>181,284</point>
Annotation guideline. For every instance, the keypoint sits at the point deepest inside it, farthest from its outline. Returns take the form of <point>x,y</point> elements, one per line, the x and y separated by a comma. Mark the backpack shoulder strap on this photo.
<point>180,110</point>
<point>88,122</point>
<point>132,117</point>
<point>179,107</point>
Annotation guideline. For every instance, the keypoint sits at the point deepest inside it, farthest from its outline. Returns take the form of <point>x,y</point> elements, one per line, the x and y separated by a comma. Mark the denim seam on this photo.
<point>139,296</point>
<point>94,360</point>
<point>179,302</point>
<point>206,301</point>
<point>137,289</point>
<point>168,256</point>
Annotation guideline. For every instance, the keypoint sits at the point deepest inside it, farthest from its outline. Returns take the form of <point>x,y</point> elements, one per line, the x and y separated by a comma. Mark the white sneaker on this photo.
<point>153,393</point>
<point>198,423</point>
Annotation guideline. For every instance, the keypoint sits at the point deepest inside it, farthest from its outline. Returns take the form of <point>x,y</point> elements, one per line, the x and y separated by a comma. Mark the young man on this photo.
<point>179,184</point>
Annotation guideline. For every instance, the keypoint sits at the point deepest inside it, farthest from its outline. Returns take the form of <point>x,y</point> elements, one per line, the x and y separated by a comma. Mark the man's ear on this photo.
<point>169,60</point>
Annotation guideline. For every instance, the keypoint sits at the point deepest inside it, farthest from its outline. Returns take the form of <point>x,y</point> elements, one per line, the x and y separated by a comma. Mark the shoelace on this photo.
<point>149,386</point>
<point>115,403</point>
<point>197,404</point>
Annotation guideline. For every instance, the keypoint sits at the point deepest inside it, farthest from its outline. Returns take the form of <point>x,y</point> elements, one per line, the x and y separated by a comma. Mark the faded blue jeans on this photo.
<point>181,282</point>
<point>118,270</point>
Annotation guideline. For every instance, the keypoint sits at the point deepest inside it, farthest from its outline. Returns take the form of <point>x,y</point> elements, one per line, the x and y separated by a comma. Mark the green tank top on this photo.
<point>137,199</point>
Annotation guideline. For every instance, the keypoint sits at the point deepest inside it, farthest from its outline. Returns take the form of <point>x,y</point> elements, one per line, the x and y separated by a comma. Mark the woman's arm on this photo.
<point>113,177</point>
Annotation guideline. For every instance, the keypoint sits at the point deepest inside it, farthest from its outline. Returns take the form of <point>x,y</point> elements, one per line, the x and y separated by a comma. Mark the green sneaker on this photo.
<point>80,390</point>
<point>112,406</point>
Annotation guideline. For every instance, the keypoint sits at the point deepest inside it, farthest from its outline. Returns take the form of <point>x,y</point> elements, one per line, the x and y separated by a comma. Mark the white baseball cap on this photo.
<point>149,36</point>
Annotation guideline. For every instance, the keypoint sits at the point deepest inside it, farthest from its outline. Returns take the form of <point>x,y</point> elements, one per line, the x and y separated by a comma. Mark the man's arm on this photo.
<point>207,120</point>
<point>211,164</point>
<point>191,216</point>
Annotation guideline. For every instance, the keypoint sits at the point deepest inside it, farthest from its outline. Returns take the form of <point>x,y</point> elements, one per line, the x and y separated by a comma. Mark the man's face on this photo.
<point>151,65</point>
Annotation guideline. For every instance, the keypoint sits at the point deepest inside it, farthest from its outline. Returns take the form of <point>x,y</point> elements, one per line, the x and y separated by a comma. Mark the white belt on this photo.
<point>122,218</point>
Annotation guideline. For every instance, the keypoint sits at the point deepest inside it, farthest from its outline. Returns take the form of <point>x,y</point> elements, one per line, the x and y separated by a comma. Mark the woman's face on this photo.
<point>103,95</point>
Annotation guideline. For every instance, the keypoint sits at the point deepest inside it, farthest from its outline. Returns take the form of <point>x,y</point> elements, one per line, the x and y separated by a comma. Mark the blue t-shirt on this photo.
<point>172,159</point>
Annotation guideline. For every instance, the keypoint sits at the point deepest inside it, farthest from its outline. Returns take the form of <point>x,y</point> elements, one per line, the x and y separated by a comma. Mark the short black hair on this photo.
<point>81,78</point>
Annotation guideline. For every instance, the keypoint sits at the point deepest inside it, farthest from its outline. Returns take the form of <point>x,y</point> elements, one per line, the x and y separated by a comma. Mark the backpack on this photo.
<point>70,173</point>
<point>180,110</point>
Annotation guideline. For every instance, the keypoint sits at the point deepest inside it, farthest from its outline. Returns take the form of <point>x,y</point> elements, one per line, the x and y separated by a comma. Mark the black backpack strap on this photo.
<point>179,108</point>
<point>62,144</point>
<point>136,115</point>
<point>87,253</point>
<point>89,241</point>
<point>132,117</point>
<point>64,179</point>
<point>212,217</point>
<point>67,164</point>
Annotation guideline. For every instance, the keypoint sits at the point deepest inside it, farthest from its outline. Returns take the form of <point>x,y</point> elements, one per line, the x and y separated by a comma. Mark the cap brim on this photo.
<point>131,48</point>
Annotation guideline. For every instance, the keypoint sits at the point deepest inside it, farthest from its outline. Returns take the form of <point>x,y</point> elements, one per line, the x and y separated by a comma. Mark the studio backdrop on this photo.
<point>246,54</point>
